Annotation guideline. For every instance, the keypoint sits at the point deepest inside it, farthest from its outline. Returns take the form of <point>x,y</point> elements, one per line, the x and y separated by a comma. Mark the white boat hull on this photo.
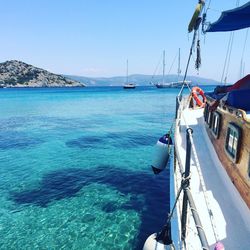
<point>223,213</point>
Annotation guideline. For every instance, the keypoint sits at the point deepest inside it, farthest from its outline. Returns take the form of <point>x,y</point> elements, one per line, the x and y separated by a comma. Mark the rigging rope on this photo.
<point>227,59</point>
<point>173,63</point>
<point>228,54</point>
<point>196,29</point>
<point>187,66</point>
<point>198,58</point>
<point>156,69</point>
<point>208,6</point>
<point>242,56</point>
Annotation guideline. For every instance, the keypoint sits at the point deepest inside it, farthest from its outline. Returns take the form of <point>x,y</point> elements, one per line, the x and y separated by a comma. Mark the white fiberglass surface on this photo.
<point>224,215</point>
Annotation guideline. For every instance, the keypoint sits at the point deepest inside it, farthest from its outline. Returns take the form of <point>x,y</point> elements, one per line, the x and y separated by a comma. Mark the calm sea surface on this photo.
<point>75,167</point>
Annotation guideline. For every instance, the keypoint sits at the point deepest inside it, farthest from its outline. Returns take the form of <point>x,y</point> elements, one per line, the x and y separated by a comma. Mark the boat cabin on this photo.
<point>228,128</point>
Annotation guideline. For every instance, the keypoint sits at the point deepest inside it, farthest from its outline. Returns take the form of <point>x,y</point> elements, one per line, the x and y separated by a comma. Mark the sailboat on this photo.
<point>128,85</point>
<point>176,84</point>
<point>210,166</point>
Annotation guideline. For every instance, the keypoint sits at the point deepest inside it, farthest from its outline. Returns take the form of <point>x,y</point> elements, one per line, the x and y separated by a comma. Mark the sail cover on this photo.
<point>235,19</point>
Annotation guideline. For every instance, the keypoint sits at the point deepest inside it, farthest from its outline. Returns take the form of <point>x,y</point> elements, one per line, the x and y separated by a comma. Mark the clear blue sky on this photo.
<point>95,37</point>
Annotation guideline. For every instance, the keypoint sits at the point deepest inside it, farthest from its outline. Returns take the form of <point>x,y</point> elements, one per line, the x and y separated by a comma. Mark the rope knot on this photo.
<point>185,181</point>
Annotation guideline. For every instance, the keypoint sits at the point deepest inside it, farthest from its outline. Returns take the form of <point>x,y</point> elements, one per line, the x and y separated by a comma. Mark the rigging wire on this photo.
<point>242,56</point>
<point>228,54</point>
<point>215,10</point>
<point>208,6</point>
<point>226,59</point>
<point>156,69</point>
<point>229,57</point>
<point>173,63</point>
<point>204,17</point>
<point>187,66</point>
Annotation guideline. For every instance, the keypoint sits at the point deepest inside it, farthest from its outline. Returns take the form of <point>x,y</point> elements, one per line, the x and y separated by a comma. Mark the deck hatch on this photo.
<point>233,141</point>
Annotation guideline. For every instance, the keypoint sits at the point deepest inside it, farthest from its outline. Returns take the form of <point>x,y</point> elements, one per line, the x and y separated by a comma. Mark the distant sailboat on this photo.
<point>176,84</point>
<point>128,85</point>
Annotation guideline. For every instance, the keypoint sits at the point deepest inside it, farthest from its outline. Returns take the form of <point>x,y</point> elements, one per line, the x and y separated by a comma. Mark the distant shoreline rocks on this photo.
<point>18,74</point>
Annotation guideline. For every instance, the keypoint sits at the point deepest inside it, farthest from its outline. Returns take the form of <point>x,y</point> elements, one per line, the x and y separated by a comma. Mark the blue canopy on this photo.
<point>235,19</point>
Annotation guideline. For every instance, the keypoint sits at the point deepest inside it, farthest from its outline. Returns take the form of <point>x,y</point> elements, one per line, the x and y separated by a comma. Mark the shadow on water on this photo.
<point>17,140</point>
<point>131,139</point>
<point>85,142</point>
<point>65,183</point>
<point>118,140</point>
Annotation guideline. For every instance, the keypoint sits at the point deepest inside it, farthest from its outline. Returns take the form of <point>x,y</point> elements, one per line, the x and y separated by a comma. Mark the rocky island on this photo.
<point>19,74</point>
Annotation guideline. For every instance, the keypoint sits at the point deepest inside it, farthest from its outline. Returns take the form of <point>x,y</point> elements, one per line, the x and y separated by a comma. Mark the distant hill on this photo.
<point>139,80</point>
<point>19,74</point>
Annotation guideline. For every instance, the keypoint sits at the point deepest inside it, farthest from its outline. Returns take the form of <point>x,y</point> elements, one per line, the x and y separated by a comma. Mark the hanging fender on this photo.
<point>196,92</point>
<point>162,153</point>
<point>153,244</point>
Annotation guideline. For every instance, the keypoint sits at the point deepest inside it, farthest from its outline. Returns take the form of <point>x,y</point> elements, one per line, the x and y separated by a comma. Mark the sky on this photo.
<point>95,37</point>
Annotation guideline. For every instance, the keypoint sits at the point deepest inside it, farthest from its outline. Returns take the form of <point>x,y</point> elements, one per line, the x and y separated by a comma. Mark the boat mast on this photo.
<point>179,62</point>
<point>127,72</point>
<point>163,70</point>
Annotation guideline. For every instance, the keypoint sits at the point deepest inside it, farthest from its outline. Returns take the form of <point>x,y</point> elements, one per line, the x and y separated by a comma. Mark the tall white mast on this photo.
<point>179,62</point>
<point>127,72</point>
<point>163,70</point>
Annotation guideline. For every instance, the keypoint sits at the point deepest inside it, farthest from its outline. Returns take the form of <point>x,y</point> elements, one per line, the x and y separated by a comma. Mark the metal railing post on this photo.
<point>176,106</point>
<point>189,131</point>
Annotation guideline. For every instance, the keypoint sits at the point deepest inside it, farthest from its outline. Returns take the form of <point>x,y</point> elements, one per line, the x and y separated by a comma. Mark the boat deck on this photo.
<point>224,215</point>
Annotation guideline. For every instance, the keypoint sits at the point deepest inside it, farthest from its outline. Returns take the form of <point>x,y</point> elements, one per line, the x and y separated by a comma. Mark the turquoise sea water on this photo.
<point>75,167</point>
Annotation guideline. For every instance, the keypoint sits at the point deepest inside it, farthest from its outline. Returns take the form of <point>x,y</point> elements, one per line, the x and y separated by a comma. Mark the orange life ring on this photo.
<point>196,91</point>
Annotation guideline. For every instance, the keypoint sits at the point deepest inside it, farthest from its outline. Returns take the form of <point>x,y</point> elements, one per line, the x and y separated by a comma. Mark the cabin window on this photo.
<point>216,124</point>
<point>209,119</point>
<point>233,141</point>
